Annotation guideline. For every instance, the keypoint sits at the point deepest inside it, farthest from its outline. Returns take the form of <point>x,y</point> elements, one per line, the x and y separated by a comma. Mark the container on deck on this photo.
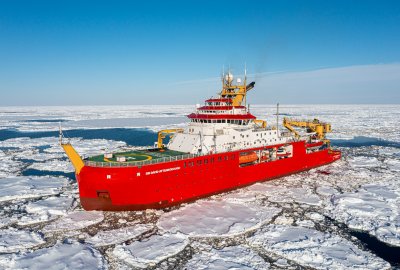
<point>121,159</point>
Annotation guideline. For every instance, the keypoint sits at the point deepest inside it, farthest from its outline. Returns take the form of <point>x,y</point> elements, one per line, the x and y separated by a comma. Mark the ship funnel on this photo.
<point>250,86</point>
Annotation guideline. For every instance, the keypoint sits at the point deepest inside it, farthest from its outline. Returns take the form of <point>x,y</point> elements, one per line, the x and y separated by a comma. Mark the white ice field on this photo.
<point>307,220</point>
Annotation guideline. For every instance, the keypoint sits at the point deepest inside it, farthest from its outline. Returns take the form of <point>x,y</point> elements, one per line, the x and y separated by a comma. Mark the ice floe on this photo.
<point>316,249</point>
<point>232,257</point>
<point>61,256</point>
<point>74,221</point>
<point>44,210</point>
<point>216,218</point>
<point>22,187</point>
<point>14,240</point>
<point>150,251</point>
<point>374,208</point>
<point>120,235</point>
<point>284,193</point>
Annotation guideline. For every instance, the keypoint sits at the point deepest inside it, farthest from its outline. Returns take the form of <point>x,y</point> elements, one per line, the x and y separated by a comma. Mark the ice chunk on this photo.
<point>75,221</point>
<point>233,257</point>
<point>150,251</point>
<point>117,236</point>
<point>9,166</point>
<point>53,165</point>
<point>312,248</point>
<point>364,162</point>
<point>61,256</point>
<point>374,208</point>
<point>285,193</point>
<point>44,210</point>
<point>216,218</point>
<point>22,187</point>
<point>13,240</point>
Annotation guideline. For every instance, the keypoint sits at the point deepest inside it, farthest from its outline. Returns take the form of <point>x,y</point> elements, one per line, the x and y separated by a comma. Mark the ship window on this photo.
<point>219,158</point>
<point>206,161</point>
<point>218,121</point>
<point>223,121</point>
<point>233,157</point>
<point>191,164</point>
<point>226,157</point>
<point>212,160</point>
<point>184,165</point>
<point>233,137</point>
<point>199,162</point>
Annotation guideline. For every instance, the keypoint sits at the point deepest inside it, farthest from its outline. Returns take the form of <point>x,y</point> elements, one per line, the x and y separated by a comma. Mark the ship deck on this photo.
<point>138,155</point>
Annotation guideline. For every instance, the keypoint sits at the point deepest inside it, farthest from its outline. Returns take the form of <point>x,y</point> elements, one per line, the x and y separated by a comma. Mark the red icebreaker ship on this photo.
<point>223,147</point>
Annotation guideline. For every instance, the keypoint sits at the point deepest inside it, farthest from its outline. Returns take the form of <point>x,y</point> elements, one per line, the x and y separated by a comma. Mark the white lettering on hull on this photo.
<point>163,170</point>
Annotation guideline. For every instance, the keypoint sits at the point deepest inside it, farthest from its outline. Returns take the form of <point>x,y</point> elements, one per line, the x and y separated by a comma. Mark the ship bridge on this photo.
<point>224,123</point>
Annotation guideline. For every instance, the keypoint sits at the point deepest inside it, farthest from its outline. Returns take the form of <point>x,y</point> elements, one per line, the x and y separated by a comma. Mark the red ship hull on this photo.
<point>166,184</point>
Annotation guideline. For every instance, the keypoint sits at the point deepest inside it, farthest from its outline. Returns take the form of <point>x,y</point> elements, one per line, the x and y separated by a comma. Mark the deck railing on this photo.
<point>139,163</point>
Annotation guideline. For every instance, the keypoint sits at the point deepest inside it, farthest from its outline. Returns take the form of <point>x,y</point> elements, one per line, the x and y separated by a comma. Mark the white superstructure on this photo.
<point>224,124</point>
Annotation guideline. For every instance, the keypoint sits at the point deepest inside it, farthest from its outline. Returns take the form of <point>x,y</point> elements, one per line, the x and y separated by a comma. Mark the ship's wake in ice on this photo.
<point>344,215</point>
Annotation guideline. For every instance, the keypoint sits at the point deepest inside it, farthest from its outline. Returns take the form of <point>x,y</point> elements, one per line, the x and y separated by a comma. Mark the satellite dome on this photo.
<point>229,77</point>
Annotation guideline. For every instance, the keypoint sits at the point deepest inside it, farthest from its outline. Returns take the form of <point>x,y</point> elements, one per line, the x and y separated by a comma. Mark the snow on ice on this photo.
<point>44,210</point>
<point>233,257</point>
<point>374,208</point>
<point>150,251</point>
<point>312,248</point>
<point>74,221</point>
<point>105,238</point>
<point>61,256</point>
<point>13,240</point>
<point>22,187</point>
<point>216,218</point>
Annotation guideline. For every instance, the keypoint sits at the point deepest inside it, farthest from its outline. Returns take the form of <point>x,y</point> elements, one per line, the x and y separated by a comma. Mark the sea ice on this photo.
<point>232,257</point>
<point>44,210</point>
<point>22,187</point>
<point>61,256</point>
<point>150,251</point>
<point>9,166</point>
<point>285,193</point>
<point>215,218</point>
<point>104,238</point>
<point>74,221</point>
<point>374,208</point>
<point>364,162</point>
<point>312,248</point>
<point>13,240</point>
<point>53,165</point>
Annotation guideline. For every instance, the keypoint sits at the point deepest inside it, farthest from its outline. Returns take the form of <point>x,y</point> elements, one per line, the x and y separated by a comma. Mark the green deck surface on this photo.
<point>138,155</point>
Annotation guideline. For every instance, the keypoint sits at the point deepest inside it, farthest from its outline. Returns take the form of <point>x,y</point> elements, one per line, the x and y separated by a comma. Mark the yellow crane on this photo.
<point>315,125</point>
<point>162,134</point>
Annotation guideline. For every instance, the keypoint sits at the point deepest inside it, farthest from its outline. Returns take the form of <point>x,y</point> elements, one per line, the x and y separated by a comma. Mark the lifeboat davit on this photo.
<point>248,158</point>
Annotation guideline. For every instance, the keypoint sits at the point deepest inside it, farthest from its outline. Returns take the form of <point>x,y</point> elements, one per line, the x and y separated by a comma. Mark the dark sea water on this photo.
<point>132,136</point>
<point>364,141</point>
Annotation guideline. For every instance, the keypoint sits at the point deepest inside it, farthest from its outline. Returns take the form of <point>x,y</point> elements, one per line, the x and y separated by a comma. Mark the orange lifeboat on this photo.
<point>248,157</point>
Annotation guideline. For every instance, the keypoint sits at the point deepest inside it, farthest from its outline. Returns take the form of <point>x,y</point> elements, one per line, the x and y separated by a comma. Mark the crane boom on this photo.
<point>315,125</point>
